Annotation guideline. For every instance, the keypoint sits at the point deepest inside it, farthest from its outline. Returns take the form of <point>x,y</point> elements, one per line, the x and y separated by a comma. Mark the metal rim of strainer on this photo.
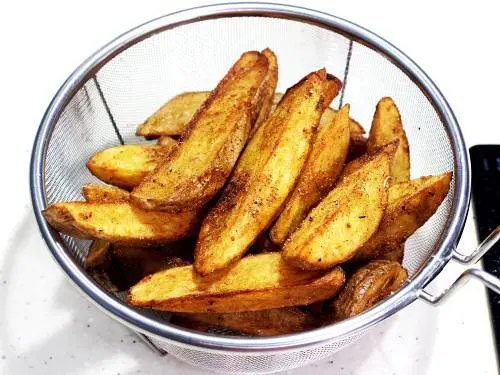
<point>160,329</point>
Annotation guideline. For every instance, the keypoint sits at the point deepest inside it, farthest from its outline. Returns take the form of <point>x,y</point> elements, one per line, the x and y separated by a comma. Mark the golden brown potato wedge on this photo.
<point>211,143</point>
<point>367,286</point>
<point>120,223</point>
<point>98,254</point>
<point>130,264</point>
<point>256,282</point>
<point>273,322</point>
<point>94,193</point>
<point>386,127</point>
<point>260,183</point>
<point>344,220</point>
<point>410,205</point>
<point>173,116</point>
<point>267,96</point>
<point>126,166</point>
<point>325,162</point>
<point>184,106</point>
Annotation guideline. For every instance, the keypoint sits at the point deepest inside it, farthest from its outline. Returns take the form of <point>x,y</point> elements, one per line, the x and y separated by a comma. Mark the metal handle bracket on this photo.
<point>486,278</point>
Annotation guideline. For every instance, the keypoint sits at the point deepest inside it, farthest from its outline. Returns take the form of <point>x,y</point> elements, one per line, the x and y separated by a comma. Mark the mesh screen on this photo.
<point>194,57</point>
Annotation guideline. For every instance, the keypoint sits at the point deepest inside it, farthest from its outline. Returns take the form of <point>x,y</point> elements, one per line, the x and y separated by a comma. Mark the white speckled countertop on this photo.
<point>48,327</point>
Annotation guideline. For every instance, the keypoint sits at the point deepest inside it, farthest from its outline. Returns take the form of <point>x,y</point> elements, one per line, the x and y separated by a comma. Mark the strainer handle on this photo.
<point>486,278</point>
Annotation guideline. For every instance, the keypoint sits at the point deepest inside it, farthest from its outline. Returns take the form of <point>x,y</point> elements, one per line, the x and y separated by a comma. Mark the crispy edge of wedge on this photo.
<point>273,322</point>
<point>259,185</point>
<point>323,167</point>
<point>367,286</point>
<point>210,144</point>
<point>335,230</point>
<point>386,127</point>
<point>257,282</point>
<point>406,213</point>
<point>120,223</point>
<point>127,165</point>
<point>269,87</point>
<point>98,254</point>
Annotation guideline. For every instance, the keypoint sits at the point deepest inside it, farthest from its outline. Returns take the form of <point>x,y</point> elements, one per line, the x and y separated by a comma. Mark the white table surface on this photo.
<point>47,327</point>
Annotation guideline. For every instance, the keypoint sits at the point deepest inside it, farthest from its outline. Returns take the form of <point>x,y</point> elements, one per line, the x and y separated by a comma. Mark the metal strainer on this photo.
<point>115,89</point>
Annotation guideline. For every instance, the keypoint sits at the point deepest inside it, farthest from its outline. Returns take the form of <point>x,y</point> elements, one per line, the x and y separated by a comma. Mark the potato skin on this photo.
<point>259,185</point>
<point>210,144</point>
<point>325,162</point>
<point>256,282</point>
<point>367,286</point>
<point>344,220</point>
<point>273,322</point>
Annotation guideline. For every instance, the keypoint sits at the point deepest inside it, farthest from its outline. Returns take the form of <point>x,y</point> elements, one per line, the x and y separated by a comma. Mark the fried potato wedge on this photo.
<point>130,264</point>
<point>325,162</point>
<point>260,183</point>
<point>328,115</point>
<point>173,117</point>
<point>386,127</point>
<point>94,193</point>
<point>273,322</point>
<point>211,143</point>
<point>184,106</point>
<point>367,286</point>
<point>127,165</point>
<point>270,82</point>
<point>120,223</point>
<point>410,205</point>
<point>98,254</point>
<point>256,282</point>
<point>344,220</point>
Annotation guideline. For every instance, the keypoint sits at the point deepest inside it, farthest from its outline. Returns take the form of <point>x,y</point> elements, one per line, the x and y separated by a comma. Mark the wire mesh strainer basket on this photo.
<point>102,102</point>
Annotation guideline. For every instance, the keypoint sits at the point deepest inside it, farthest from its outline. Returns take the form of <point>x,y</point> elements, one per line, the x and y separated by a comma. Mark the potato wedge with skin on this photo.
<point>269,84</point>
<point>173,117</point>
<point>343,221</point>
<point>355,128</point>
<point>166,140</point>
<point>260,184</point>
<point>273,322</point>
<point>185,105</point>
<point>256,282</point>
<point>325,162</point>
<point>94,193</point>
<point>120,223</point>
<point>410,205</point>
<point>367,286</point>
<point>386,127</point>
<point>127,165</point>
<point>211,143</point>
<point>98,254</point>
